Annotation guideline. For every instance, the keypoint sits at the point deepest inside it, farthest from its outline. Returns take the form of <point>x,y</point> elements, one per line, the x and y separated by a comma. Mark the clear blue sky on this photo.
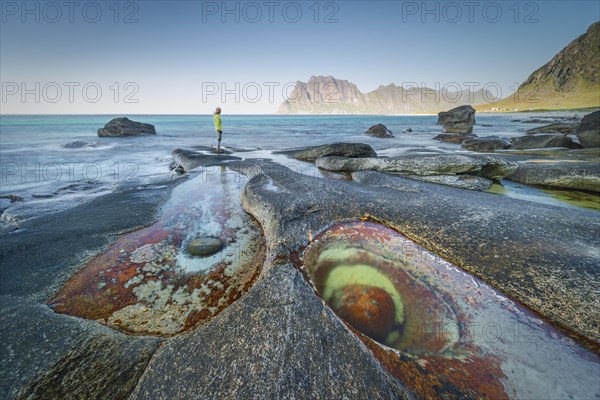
<point>175,54</point>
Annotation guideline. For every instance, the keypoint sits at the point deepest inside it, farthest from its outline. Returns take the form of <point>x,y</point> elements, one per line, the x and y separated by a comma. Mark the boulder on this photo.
<point>204,246</point>
<point>335,149</point>
<point>542,141</point>
<point>457,120</point>
<point>454,137</point>
<point>380,131</point>
<point>123,126</point>
<point>559,127</point>
<point>588,131</point>
<point>567,175</point>
<point>485,144</point>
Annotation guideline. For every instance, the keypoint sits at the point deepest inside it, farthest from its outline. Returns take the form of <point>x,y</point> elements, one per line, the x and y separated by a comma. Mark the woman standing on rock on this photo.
<point>218,127</point>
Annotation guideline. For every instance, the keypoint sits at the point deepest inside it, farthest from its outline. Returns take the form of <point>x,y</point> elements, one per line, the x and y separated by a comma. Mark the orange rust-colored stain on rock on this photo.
<point>369,309</point>
<point>97,290</point>
<point>440,377</point>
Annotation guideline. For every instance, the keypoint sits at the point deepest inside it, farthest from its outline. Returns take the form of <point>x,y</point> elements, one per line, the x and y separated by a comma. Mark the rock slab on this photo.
<point>334,149</point>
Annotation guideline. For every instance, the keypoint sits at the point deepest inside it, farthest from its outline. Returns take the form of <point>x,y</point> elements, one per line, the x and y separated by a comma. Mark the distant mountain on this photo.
<point>570,80</point>
<point>327,95</point>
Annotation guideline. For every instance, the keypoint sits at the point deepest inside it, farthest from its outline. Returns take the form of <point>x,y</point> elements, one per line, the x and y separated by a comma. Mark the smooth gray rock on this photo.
<point>187,160</point>
<point>494,168</point>
<point>446,164</point>
<point>279,341</point>
<point>542,141</point>
<point>468,182</point>
<point>568,175</point>
<point>541,256</point>
<point>54,356</point>
<point>334,149</point>
<point>123,126</point>
<point>204,246</point>
<point>45,251</point>
<point>554,152</point>
<point>558,127</point>
<point>422,165</point>
<point>588,131</point>
<point>380,131</point>
<point>485,144</point>
<point>457,120</point>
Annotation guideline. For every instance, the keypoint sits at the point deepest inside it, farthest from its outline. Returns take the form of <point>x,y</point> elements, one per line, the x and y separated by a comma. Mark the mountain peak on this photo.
<point>571,79</point>
<point>328,95</point>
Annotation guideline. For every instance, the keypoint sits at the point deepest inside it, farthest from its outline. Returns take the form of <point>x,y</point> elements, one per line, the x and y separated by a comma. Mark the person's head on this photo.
<point>218,110</point>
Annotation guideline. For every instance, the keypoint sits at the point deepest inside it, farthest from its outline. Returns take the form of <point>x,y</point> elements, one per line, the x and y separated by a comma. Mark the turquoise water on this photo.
<point>35,163</point>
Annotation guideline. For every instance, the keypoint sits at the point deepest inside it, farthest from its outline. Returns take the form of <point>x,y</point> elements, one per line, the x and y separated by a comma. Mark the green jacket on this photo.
<point>218,124</point>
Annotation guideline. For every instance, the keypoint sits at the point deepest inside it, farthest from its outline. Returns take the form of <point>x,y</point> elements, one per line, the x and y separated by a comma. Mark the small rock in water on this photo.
<point>77,144</point>
<point>12,197</point>
<point>380,131</point>
<point>204,246</point>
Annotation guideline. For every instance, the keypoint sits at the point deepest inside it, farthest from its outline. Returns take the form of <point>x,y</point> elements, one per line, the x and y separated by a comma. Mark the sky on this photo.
<point>187,57</point>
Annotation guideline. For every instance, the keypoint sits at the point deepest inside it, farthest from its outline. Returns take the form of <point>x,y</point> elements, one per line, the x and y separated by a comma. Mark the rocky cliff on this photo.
<point>328,95</point>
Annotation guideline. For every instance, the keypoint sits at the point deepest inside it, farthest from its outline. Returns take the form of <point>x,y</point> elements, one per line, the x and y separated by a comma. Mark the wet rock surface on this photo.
<point>485,145</point>
<point>187,159</point>
<point>542,141</point>
<point>47,355</point>
<point>454,137</point>
<point>557,127</point>
<point>334,149</point>
<point>580,175</point>
<point>40,347</point>
<point>469,182</point>
<point>422,165</point>
<point>201,255</point>
<point>277,338</point>
<point>494,231</point>
<point>280,342</point>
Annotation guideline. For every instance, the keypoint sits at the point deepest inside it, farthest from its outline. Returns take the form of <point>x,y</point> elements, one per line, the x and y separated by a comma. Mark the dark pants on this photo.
<point>219,133</point>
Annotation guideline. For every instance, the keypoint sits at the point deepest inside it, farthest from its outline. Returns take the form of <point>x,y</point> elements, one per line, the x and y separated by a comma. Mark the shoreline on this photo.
<point>101,262</point>
<point>274,114</point>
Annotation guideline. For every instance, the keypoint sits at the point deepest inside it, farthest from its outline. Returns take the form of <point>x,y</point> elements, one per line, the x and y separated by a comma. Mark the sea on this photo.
<point>58,161</point>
